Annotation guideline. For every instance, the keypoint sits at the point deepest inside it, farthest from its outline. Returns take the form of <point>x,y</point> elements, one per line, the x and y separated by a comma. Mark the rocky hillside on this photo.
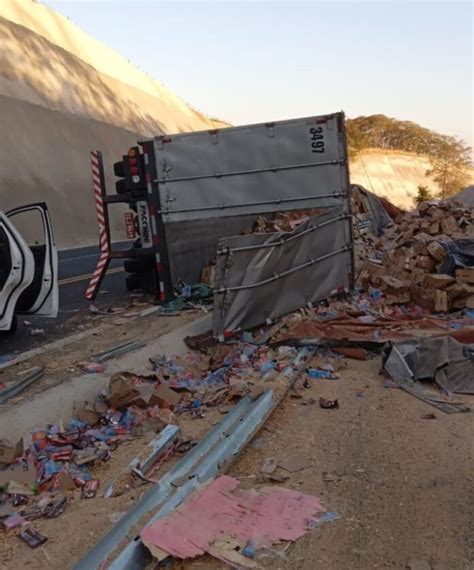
<point>62,93</point>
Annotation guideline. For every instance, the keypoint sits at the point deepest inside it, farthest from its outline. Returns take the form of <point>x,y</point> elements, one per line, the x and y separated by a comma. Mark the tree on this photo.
<point>449,156</point>
<point>450,161</point>
<point>424,194</point>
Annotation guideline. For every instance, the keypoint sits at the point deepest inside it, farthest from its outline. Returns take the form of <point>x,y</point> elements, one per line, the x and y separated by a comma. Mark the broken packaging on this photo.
<point>328,404</point>
<point>32,537</point>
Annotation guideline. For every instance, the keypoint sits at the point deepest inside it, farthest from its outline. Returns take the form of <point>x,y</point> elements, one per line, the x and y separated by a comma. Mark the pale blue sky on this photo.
<point>256,61</point>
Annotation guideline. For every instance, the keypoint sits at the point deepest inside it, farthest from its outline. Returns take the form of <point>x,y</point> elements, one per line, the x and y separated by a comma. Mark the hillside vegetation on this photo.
<point>449,157</point>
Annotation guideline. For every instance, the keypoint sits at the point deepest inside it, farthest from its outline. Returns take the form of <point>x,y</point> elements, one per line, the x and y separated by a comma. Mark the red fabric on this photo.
<point>350,352</point>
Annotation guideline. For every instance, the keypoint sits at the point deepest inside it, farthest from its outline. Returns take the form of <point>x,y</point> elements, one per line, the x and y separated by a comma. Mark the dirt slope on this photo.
<point>395,175</point>
<point>392,174</point>
<point>65,69</point>
<point>62,93</point>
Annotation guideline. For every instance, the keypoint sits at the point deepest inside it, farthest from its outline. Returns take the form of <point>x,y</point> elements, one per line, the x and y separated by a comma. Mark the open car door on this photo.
<point>41,295</point>
<point>17,268</point>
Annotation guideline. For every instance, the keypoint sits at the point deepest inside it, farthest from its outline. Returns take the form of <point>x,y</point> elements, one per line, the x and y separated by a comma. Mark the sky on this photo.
<point>254,61</point>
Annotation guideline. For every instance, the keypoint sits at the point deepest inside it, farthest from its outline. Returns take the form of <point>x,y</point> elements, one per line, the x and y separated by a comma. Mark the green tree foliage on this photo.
<point>449,156</point>
<point>449,166</point>
<point>424,194</point>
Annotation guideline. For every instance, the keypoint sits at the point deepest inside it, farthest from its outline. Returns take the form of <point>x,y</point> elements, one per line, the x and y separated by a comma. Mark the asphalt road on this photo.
<point>76,267</point>
<point>75,270</point>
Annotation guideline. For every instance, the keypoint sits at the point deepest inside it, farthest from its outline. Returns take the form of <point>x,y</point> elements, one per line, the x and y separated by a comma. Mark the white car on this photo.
<point>28,267</point>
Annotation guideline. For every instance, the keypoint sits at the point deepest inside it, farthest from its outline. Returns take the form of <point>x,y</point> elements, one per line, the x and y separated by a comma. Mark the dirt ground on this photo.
<point>402,485</point>
<point>405,490</point>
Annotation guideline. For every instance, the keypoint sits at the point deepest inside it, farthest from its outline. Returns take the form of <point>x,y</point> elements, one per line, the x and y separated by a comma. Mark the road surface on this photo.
<point>75,270</point>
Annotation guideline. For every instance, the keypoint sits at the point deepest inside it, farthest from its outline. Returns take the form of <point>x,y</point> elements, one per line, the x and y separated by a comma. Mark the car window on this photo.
<point>30,226</point>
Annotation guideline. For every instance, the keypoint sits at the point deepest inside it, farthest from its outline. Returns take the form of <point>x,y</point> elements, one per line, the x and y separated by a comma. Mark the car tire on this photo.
<point>138,265</point>
<point>132,283</point>
<point>13,327</point>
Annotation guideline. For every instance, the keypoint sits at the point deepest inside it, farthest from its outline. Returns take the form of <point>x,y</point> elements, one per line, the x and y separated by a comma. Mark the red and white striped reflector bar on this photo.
<point>99,201</point>
<point>104,245</point>
<point>101,267</point>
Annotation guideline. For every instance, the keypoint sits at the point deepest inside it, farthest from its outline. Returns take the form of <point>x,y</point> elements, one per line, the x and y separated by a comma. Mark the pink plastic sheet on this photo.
<point>221,511</point>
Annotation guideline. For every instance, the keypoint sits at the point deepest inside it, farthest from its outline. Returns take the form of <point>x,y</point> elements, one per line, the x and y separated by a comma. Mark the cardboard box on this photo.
<point>417,275</point>
<point>420,248</point>
<point>398,299</point>
<point>469,304</point>
<point>164,397</point>
<point>121,391</point>
<point>374,270</point>
<point>392,283</point>
<point>18,474</point>
<point>84,412</point>
<point>426,262</point>
<point>437,281</point>
<point>441,302</point>
<point>9,452</point>
<point>465,275</point>
<point>430,299</point>
<point>437,251</point>
<point>449,225</point>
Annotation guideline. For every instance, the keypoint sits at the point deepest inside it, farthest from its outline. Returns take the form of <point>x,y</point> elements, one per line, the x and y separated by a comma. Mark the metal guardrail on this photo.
<point>213,453</point>
<point>161,492</point>
<point>18,387</point>
<point>117,350</point>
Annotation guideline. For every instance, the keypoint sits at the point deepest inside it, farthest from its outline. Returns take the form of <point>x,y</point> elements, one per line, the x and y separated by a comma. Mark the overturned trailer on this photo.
<point>192,195</point>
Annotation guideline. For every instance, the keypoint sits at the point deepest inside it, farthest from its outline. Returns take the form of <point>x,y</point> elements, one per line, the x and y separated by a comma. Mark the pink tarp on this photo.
<point>221,511</point>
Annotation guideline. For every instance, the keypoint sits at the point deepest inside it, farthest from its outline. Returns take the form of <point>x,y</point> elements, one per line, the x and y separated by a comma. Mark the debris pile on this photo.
<point>59,465</point>
<point>425,257</point>
<point>410,265</point>
<point>219,375</point>
<point>190,297</point>
<point>36,481</point>
<point>364,320</point>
